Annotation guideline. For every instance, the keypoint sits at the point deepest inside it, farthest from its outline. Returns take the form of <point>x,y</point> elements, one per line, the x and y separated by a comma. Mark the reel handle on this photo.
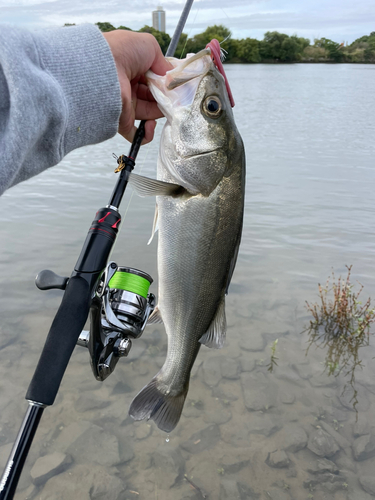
<point>48,280</point>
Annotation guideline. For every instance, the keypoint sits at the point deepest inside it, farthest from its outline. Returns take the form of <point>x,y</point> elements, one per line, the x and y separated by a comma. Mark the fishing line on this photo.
<point>191,29</point>
<point>123,280</point>
<point>131,196</point>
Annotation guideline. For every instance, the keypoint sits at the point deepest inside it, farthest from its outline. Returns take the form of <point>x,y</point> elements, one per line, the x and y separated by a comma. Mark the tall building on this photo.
<point>158,19</point>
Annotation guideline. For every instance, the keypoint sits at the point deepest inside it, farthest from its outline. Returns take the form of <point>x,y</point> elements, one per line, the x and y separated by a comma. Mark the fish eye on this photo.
<point>212,106</point>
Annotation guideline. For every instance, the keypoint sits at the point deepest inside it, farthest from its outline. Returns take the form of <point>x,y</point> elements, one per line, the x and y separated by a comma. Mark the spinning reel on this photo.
<point>119,313</point>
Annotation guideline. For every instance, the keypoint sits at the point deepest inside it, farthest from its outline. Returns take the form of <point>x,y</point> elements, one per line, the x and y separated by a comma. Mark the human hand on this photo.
<point>134,54</point>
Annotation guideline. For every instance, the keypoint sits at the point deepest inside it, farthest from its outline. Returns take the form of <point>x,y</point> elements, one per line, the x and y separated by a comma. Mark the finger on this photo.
<point>144,93</point>
<point>127,133</point>
<point>149,131</point>
<point>160,64</point>
<point>147,110</point>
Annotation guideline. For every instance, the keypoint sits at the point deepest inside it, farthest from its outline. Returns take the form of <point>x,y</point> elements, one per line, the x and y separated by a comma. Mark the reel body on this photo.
<point>119,313</point>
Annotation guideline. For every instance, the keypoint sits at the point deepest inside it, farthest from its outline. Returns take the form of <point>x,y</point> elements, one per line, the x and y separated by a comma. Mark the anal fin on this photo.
<point>155,317</point>
<point>215,335</point>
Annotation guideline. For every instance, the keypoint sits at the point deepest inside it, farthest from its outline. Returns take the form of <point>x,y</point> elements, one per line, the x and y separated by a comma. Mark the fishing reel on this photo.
<point>119,313</point>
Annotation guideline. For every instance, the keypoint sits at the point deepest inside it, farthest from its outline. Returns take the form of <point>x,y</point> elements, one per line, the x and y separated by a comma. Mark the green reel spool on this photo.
<point>131,280</point>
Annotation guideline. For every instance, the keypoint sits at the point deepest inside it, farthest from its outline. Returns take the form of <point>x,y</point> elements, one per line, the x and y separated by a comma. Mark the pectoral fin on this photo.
<point>152,187</point>
<point>155,224</point>
<point>215,335</point>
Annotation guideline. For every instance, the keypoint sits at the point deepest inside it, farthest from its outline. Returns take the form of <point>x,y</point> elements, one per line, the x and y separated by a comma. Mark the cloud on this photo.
<point>336,19</point>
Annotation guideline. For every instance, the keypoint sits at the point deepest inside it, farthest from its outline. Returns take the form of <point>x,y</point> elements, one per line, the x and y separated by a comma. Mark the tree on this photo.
<point>248,50</point>
<point>104,27</point>
<point>124,28</point>
<point>333,48</point>
<point>163,38</point>
<point>282,47</point>
<point>199,42</point>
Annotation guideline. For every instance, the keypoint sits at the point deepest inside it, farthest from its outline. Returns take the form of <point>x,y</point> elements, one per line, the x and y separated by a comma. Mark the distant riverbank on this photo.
<point>274,48</point>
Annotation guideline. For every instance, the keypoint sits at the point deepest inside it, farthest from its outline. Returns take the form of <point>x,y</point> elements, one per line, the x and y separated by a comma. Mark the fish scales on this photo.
<point>199,234</point>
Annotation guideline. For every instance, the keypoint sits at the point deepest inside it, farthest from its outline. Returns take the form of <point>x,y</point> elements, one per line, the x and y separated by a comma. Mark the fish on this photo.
<point>199,191</point>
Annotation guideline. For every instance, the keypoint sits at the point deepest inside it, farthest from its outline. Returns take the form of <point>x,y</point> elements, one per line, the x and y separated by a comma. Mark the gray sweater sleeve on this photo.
<point>58,91</point>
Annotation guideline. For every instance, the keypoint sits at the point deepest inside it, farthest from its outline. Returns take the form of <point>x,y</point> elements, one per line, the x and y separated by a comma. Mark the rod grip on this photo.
<point>61,340</point>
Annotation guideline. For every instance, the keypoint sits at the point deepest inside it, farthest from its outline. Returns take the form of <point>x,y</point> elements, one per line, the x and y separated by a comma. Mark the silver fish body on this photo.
<point>199,236</point>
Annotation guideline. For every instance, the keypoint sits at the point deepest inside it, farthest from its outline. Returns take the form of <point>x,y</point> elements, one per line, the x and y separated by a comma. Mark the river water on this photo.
<point>245,432</point>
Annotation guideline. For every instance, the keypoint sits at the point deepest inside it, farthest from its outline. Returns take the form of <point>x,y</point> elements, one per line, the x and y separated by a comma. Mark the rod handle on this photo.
<point>61,341</point>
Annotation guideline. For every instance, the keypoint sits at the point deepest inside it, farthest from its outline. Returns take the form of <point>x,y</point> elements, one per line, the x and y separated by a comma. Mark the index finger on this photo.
<point>160,64</point>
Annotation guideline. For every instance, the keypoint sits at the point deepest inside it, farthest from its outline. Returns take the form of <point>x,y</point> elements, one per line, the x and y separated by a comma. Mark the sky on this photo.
<point>338,20</point>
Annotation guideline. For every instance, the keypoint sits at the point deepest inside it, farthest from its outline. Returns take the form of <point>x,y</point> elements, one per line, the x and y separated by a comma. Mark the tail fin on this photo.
<point>164,410</point>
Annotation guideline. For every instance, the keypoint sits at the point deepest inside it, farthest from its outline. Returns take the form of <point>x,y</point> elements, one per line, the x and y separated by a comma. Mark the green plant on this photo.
<point>273,359</point>
<point>341,324</point>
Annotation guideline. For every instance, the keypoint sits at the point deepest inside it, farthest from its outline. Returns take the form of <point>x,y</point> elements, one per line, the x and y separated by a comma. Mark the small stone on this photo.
<point>30,492</point>
<point>364,447</point>
<point>323,380</point>
<point>328,482</point>
<point>88,402</point>
<point>202,440</point>
<point>211,371</point>
<point>361,427</point>
<point>225,393</point>
<point>345,463</point>
<point>246,492</point>
<point>234,462</point>
<point>258,392</point>
<point>348,402</point>
<point>83,482</point>
<point>95,445</point>
<point>322,444</point>
<point>359,495</point>
<point>192,411</point>
<point>276,494</point>
<point>237,436</point>
<point>293,438</point>
<point>137,350</point>
<point>194,370</point>
<point>141,368</point>
<point>321,466</point>
<point>143,431</point>
<point>287,398</point>
<point>247,364</point>
<point>262,424</point>
<point>340,440</point>
<point>122,388</point>
<point>169,465</point>
<point>70,434</point>
<point>48,466</point>
<point>368,484</point>
<point>229,368</point>
<point>229,490</point>
<point>217,417</point>
<point>277,459</point>
<point>304,370</point>
<point>253,343</point>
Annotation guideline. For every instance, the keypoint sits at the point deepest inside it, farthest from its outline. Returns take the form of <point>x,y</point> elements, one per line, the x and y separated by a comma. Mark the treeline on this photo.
<point>275,46</point>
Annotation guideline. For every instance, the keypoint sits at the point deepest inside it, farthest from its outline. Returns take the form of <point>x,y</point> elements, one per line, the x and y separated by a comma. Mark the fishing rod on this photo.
<point>116,298</point>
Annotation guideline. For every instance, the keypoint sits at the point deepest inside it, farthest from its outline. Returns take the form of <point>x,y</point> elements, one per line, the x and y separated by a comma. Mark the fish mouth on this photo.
<point>177,82</point>
<point>204,153</point>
